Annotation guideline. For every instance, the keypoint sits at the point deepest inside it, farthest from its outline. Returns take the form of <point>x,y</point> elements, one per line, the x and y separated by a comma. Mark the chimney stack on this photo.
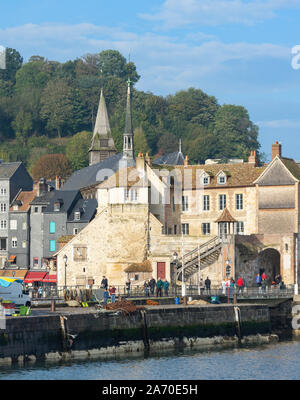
<point>253,158</point>
<point>186,161</point>
<point>140,162</point>
<point>41,187</point>
<point>57,182</point>
<point>276,150</point>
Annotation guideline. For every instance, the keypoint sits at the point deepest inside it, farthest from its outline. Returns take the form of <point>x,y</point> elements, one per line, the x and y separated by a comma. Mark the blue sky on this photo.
<point>239,51</point>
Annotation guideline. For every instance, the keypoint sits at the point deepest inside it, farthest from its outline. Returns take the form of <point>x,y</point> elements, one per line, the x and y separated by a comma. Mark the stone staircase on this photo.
<point>209,253</point>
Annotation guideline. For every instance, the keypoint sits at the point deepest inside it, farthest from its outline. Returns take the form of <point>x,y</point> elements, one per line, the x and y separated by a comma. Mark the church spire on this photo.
<point>103,145</point>
<point>128,145</point>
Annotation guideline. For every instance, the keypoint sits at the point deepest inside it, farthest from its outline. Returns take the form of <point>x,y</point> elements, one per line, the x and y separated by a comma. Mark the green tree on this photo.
<point>57,107</point>
<point>236,134</point>
<point>77,149</point>
<point>13,62</point>
<point>22,126</point>
<point>140,141</point>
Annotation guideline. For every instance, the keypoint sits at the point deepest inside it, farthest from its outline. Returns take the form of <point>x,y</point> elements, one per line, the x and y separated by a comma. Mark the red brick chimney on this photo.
<point>57,182</point>
<point>252,159</point>
<point>186,160</point>
<point>276,150</point>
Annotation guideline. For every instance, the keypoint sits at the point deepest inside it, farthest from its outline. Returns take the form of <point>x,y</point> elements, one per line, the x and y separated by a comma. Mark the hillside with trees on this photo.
<point>48,107</point>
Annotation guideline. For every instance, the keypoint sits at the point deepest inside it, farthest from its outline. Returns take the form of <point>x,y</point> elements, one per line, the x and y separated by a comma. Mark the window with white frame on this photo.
<point>206,228</point>
<point>133,194</point>
<point>239,201</point>
<point>77,215</point>
<point>206,202</point>
<point>185,229</point>
<point>13,224</point>
<point>185,203</point>
<point>240,229</point>
<point>75,231</point>
<point>3,224</point>
<point>221,179</point>
<point>2,207</point>
<point>14,242</point>
<point>222,201</point>
<point>205,179</point>
<point>3,191</point>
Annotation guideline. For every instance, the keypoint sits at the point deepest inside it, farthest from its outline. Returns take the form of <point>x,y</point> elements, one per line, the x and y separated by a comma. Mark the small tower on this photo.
<point>103,145</point>
<point>128,143</point>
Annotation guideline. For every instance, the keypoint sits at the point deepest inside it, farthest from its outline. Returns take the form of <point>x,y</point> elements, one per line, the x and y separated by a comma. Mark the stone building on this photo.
<point>152,212</point>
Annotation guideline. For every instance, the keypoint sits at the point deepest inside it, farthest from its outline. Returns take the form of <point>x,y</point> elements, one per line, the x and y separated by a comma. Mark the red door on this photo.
<point>161,270</point>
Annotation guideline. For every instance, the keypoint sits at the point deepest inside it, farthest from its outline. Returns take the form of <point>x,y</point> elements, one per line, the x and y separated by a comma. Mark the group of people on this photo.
<point>109,291</point>
<point>205,285</point>
<point>152,287</point>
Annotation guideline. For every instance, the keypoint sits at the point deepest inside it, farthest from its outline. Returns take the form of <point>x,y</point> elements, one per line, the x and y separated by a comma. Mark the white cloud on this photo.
<point>165,63</point>
<point>279,123</point>
<point>176,13</point>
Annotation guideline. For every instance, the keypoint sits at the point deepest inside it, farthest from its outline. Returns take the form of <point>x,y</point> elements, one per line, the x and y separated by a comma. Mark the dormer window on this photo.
<point>222,178</point>
<point>205,179</point>
<point>57,205</point>
<point>77,216</point>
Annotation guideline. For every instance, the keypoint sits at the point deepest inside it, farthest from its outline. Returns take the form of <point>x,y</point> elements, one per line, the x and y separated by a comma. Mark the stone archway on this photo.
<point>268,261</point>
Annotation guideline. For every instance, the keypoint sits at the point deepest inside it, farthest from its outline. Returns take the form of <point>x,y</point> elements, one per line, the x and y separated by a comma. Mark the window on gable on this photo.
<point>77,216</point>
<point>52,245</point>
<point>222,179</point>
<point>205,180</point>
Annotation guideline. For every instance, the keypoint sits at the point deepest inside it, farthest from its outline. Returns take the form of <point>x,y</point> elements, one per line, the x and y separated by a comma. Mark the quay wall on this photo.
<point>113,332</point>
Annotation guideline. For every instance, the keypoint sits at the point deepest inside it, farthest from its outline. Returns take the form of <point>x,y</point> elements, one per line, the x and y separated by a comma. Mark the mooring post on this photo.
<point>52,305</point>
<point>234,299</point>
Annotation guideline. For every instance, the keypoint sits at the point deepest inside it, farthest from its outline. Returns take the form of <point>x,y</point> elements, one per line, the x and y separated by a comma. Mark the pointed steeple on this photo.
<point>103,145</point>
<point>180,146</point>
<point>128,144</point>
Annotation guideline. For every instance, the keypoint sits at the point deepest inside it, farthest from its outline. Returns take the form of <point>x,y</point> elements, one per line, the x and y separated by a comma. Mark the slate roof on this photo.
<point>68,198</point>
<point>44,199</point>
<point>92,175</point>
<point>88,207</point>
<point>226,216</point>
<point>7,169</point>
<point>175,158</point>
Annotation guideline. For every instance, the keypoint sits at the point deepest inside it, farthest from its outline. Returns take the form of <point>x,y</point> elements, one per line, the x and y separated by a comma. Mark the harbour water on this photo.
<point>273,361</point>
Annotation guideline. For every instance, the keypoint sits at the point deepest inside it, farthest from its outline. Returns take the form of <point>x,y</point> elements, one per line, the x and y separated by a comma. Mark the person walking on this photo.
<point>166,287</point>
<point>112,293</point>
<point>104,283</point>
<point>159,286</point>
<point>152,284</point>
<point>207,285</point>
<point>231,289</point>
<point>202,286</point>
<point>258,282</point>
<point>127,286</point>
<point>240,285</point>
<point>146,288</point>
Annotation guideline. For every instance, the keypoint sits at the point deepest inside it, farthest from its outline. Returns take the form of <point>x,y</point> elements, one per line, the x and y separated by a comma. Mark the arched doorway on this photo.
<point>268,261</point>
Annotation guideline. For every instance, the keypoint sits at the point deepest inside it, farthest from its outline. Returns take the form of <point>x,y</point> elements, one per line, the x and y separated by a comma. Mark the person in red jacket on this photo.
<point>240,284</point>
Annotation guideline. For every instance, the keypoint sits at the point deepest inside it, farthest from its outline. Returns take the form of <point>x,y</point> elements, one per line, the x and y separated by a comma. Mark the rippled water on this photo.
<point>276,361</point>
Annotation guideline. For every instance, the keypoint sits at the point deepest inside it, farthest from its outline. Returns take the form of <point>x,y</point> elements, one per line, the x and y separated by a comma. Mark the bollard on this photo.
<point>234,299</point>
<point>52,305</point>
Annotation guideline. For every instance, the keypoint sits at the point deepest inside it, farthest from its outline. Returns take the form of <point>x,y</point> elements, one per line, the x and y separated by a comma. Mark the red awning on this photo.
<point>50,278</point>
<point>35,277</point>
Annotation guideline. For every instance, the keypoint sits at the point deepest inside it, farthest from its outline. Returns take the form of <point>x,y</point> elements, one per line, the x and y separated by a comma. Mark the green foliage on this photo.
<point>43,99</point>
<point>77,149</point>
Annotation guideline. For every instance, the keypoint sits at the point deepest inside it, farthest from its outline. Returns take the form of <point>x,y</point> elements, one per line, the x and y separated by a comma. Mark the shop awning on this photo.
<point>50,278</point>
<point>34,276</point>
<point>12,259</point>
<point>14,273</point>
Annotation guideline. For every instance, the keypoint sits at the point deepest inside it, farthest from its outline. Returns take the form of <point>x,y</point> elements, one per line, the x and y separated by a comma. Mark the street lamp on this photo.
<point>175,261</point>
<point>65,258</point>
